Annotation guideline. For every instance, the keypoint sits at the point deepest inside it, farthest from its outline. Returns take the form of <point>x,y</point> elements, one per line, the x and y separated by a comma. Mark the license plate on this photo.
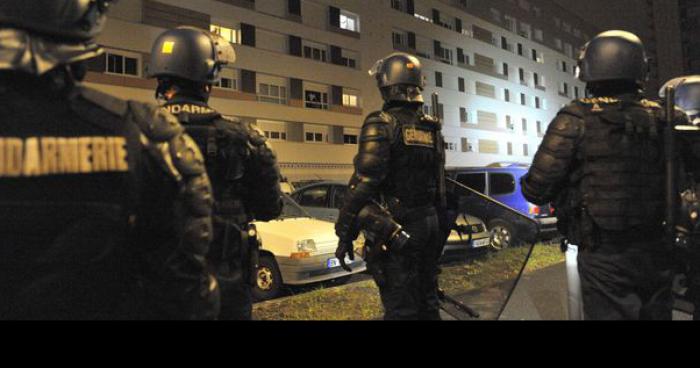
<point>335,262</point>
<point>481,243</point>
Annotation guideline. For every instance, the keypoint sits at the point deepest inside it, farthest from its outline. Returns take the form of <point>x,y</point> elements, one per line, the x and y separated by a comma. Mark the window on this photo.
<point>349,21</point>
<point>339,193</point>
<point>510,149</point>
<point>275,136</point>
<point>350,99</point>
<point>467,145</point>
<point>398,5</point>
<point>501,184</point>
<point>228,80</point>
<point>564,89</point>
<point>473,181</point>
<point>506,69</point>
<point>273,130</point>
<point>461,84</point>
<point>463,115</point>
<point>315,197</point>
<point>271,93</point>
<point>122,63</point>
<point>576,92</point>
<point>523,99</point>
<point>539,127</point>
<point>521,50</point>
<point>438,79</point>
<point>506,95</point>
<point>521,73</point>
<point>231,35</point>
<point>509,123</point>
<point>316,100</point>
<point>315,52</point>
<point>349,138</point>
<point>399,38</point>
<point>525,126</point>
<point>313,137</point>
<point>526,150</point>
<point>538,102</point>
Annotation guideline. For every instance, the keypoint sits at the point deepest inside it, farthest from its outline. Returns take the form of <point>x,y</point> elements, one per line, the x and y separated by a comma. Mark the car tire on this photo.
<point>268,279</point>
<point>503,235</point>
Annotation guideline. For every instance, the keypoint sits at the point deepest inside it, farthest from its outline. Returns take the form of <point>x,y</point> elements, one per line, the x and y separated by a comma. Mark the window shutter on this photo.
<point>296,89</point>
<point>247,35</point>
<point>248,81</point>
<point>294,45</point>
<point>334,16</point>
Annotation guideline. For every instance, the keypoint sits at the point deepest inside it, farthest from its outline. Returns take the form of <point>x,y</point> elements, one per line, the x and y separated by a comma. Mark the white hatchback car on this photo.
<point>298,250</point>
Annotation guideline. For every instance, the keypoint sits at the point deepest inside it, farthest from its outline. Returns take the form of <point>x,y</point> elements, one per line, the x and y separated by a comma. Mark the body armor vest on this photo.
<point>224,154</point>
<point>68,190</point>
<point>622,184</point>
<point>415,157</point>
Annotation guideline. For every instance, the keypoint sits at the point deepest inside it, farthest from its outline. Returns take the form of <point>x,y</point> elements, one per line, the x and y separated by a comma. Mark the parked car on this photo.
<point>323,201</point>
<point>501,181</point>
<point>298,250</point>
<point>286,186</point>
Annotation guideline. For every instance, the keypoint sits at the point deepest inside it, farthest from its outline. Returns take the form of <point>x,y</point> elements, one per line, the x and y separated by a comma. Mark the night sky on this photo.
<point>627,15</point>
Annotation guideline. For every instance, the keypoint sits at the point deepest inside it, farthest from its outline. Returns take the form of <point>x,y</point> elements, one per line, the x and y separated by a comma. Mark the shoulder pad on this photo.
<point>108,102</point>
<point>599,101</point>
<point>379,117</point>
<point>255,135</point>
<point>567,125</point>
<point>431,120</point>
<point>155,122</point>
<point>650,104</point>
<point>574,109</point>
<point>233,129</point>
<point>186,156</point>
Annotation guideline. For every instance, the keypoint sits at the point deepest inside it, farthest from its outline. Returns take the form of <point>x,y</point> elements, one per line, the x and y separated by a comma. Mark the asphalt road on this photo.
<point>541,295</point>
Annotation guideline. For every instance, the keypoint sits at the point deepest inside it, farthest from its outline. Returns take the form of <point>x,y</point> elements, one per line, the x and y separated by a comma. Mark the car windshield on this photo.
<point>292,209</point>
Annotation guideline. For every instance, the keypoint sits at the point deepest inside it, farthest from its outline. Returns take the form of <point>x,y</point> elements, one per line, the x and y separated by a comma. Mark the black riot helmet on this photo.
<point>70,20</point>
<point>400,78</point>
<point>190,54</point>
<point>614,56</point>
<point>687,94</point>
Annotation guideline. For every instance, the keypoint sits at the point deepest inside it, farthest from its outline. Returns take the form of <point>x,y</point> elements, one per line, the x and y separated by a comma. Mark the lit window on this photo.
<point>349,21</point>
<point>231,35</point>
<point>350,100</point>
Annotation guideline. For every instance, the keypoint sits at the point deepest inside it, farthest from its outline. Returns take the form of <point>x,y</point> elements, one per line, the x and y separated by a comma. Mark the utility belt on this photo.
<point>582,230</point>
<point>236,249</point>
<point>406,213</point>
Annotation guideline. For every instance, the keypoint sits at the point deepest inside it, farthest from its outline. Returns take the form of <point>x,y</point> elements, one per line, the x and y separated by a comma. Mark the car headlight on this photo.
<point>307,245</point>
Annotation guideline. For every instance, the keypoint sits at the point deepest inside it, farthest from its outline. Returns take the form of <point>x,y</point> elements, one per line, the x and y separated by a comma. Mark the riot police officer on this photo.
<point>243,169</point>
<point>687,99</point>
<point>105,205</point>
<point>400,164</point>
<point>602,164</point>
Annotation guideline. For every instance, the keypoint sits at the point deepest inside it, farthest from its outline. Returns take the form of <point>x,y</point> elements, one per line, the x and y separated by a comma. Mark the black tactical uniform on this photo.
<point>602,164</point>
<point>105,205</point>
<point>242,167</point>
<point>400,164</point>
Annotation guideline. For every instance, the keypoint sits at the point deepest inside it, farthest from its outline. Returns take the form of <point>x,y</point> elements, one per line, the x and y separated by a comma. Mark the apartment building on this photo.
<point>502,69</point>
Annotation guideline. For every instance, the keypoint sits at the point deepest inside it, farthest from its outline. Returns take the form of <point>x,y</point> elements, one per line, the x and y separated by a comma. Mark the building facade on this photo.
<point>502,69</point>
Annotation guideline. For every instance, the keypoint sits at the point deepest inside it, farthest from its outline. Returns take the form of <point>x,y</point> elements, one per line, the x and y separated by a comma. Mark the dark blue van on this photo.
<point>501,181</point>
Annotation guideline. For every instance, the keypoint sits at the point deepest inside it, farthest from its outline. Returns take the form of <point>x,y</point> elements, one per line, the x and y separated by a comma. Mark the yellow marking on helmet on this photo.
<point>168,47</point>
<point>410,66</point>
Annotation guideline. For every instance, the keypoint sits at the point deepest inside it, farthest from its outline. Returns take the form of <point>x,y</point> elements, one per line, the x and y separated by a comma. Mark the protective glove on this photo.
<point>345,248</point>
